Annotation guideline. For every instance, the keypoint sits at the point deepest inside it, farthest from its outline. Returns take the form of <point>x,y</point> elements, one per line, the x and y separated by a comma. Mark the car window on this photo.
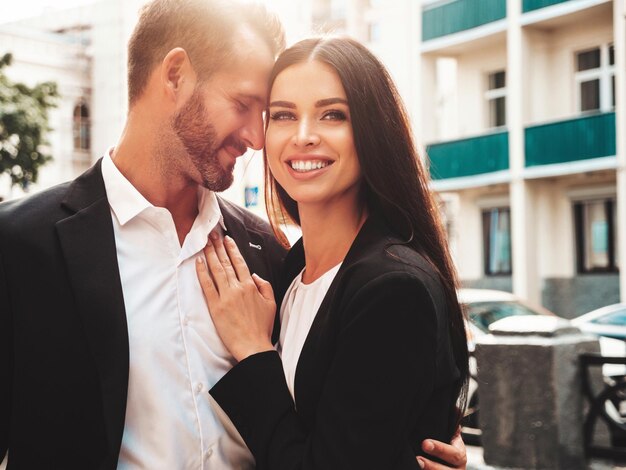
<point>615,318</point>
<point>483,314</point>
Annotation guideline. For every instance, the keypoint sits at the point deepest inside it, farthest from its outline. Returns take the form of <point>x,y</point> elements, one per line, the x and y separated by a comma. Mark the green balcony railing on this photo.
<point>468,157</point>
<point>582,138</point>
<point>459,15</point>
<point>530,5</point>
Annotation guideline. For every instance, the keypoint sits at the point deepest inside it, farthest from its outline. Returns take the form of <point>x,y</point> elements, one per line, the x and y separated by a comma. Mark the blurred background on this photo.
<point>518,107</point>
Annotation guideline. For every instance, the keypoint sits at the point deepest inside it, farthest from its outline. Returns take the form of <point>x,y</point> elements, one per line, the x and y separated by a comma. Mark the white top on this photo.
<point>297,313</point>
<point>176,355</point>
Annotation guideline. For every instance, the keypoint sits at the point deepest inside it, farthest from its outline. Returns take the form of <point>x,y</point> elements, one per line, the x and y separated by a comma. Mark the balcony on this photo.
<point>469,157</point>
<point>459,15</point>
<point>582,138</point>
<point>530,5</point>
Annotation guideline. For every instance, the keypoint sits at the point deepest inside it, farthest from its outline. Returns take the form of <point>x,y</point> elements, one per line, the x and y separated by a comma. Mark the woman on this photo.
<point>372,354</point>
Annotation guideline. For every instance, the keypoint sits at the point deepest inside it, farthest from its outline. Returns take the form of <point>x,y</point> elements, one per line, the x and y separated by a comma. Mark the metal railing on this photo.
<point>607,406</point>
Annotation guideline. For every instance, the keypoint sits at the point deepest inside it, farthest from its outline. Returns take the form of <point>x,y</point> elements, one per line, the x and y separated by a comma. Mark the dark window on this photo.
<point>497,112</point>
<point>596,229</point>
<point>590,95</point>
<point>497,241</point>
<point>497,80</point>
<point>613,91</point>
<point>496,98</point>
<point>588,59</point>
<point>81,128</point>
<point>611,54</point>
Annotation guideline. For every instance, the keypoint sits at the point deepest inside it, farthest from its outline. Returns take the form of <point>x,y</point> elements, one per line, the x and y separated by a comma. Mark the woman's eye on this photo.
<point>334,115</point>
<point>281,116</point>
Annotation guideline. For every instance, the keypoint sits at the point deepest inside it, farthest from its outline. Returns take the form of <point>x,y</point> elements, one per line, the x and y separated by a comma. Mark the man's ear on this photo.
<point>177,74</point>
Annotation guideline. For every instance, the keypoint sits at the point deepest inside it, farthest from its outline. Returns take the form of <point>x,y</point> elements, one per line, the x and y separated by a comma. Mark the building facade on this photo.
<point>522,112</point>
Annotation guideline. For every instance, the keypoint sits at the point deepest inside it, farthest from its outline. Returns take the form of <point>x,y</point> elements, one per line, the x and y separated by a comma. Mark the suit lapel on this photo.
<point>250,242</point>
<point>88,243</point>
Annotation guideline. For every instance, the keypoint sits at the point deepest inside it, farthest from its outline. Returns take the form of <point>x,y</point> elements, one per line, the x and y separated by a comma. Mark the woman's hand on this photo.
<point>242,305</point>
<point>454,453</point>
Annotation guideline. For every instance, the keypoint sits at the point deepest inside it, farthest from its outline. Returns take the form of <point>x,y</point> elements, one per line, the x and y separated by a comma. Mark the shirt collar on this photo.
<point>127,203</point>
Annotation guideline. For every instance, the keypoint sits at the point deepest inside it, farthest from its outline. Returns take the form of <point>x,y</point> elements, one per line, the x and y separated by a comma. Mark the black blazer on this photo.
<point>376,374</point>
<point>63,331</point>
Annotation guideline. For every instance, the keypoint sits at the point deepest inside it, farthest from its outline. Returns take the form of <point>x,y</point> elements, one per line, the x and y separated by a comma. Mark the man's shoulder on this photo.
<point>250,221</point>
<point>35,208</point>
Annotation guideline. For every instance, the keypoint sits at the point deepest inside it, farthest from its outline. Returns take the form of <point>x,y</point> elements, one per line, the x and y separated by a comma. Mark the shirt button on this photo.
<point>208,453</point>
<point>185,321</point>
<point>199,387</point>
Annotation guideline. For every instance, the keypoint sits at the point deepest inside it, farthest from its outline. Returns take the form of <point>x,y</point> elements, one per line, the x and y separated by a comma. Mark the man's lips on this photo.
<point>234,149</point>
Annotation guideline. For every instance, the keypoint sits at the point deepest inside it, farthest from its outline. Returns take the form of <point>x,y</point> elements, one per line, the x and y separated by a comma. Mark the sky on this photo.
<point>20,9</point>
<point>25,8</point>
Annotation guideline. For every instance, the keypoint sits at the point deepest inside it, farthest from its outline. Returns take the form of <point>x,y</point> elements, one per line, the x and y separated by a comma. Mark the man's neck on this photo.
<point>140,165</point>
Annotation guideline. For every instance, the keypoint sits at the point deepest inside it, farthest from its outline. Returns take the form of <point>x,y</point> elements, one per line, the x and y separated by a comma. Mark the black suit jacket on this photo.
<point>63,331</point>
<point>376,374</point>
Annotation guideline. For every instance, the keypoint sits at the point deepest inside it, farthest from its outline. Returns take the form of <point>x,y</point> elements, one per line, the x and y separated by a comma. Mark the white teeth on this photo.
<point>309,165</point>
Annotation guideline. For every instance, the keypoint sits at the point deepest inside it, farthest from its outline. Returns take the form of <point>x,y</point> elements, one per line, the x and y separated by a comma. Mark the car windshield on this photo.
<point>615,318</point>
<point>483,314</point>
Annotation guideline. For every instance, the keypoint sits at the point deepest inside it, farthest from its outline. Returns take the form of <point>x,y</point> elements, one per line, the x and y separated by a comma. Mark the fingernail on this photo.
<point>428,446</point>
<point>199,260</point>
<point>228,239</point>
<point>213,235</point>
<point>420,462</point>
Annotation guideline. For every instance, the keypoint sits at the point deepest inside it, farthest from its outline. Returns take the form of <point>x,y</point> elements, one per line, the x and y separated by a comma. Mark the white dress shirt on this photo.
<point>297,312</point>
<point>176,355</point>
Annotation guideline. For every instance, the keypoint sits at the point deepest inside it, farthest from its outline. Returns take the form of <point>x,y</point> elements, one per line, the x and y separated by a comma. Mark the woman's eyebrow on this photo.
<point>282,104</point>
<point>329,101</point>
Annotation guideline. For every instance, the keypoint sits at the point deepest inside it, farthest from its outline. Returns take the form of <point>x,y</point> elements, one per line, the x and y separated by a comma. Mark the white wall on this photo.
<point>552,64</point>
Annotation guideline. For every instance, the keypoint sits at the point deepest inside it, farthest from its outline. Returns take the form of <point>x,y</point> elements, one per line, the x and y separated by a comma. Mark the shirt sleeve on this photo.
<point>382,372</point>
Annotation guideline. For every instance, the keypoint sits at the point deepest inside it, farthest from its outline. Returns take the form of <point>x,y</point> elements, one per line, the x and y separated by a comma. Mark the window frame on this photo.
<point>486,237</point>
<point>605,73</point>
<point>580,241</point>
<point>492,94</point>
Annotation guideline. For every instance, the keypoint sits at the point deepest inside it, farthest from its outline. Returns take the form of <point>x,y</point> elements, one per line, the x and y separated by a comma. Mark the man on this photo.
<point>107,350</point>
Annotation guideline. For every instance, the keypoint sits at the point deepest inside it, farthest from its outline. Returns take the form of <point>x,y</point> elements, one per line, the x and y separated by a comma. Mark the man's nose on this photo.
<point>253,133</point>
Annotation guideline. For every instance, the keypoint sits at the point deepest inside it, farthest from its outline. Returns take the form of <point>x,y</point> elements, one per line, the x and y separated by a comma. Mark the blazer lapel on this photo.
<point>88,243</point>
<point>249,241</point>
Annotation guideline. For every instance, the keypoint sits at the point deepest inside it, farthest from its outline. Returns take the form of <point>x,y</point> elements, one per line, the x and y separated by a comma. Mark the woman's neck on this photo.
<point>327,234</point>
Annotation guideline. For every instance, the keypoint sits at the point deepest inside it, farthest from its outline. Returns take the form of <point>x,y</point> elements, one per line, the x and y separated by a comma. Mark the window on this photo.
<point>613,318</point>
<point>82,137</point>
<point>595,222</point>
<point>496,98</point>
<point>595,78</point>
<point>373,32</point>
<point>497,241</point>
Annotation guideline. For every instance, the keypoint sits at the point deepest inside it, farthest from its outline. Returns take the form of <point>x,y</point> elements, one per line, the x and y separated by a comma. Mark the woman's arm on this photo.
<point>378,373</point>
<point>382,367</point>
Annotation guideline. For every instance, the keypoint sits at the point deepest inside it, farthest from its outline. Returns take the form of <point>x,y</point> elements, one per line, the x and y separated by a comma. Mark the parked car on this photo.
<point>484,307</point>
<point>609,321</point>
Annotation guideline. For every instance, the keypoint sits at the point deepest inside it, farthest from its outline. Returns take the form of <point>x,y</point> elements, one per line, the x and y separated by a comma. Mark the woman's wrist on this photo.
<point>246,351</point>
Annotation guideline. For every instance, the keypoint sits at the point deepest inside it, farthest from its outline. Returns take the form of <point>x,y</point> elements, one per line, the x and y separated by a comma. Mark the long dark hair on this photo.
<point>395,182</point>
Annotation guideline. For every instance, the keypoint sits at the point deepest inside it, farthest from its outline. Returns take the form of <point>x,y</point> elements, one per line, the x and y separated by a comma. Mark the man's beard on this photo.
<point>199,138</point>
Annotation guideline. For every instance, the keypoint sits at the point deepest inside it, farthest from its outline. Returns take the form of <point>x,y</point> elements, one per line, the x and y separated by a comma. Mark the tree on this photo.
<point>23,126</point>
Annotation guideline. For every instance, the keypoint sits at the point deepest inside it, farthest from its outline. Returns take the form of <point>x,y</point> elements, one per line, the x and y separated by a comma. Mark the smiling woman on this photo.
<point>371,356</point>
<point>310,145</point>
